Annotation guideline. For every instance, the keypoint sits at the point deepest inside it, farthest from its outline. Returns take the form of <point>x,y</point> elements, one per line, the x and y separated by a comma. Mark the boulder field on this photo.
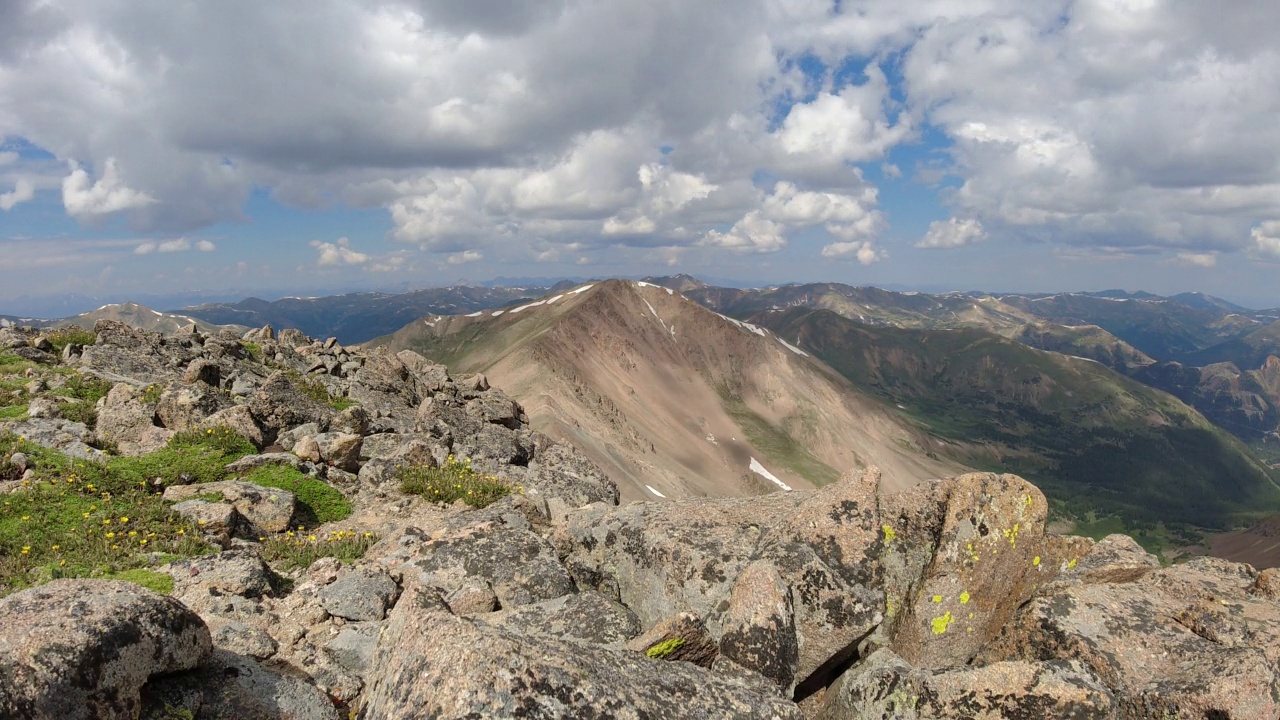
<point>946,600</point>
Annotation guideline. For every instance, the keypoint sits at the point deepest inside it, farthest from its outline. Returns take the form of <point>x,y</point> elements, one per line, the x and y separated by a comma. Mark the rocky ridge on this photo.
<point>947,599</point>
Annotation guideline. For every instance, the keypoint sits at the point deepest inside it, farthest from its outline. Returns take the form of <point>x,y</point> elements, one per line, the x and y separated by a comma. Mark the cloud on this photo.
<point>1196,259</point>
<point>1266,239</point>
<point>206,246</point>
<point>108,195</point>
<point>952,233</point>
<point>461,258</point>
<point>8,157</point>
<point>339,253</point>
<point>754,233</point>
<point>864,252</point>
<point>23,191</point>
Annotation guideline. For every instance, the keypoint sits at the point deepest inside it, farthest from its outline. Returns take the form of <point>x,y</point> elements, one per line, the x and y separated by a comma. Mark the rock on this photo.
<point>82,649</point>
<point>126,421</point>
<point>341,450</point>
<point>354,646</point>
<point>353,421</point>
<point>44,407</point>
<point>241,421</point>
<point>35,355</point>
<point>567,479</point>
<point>278,405</point>
<point>233,686</point>
<point>758,630</point>
<point>242,639</point>
<point>1113,559</point>
<point>307,449</point>
<point>233,572</point>
<point>361,594</point>
<point>292,338</point>
<point>682,637</point>
<point>202,371</point>
<point>184,408</point>
<point>1267,585</point>
<point>70,438</point>
<point>495,407</point>
<point>1191,640</point>
<point>512,675</point>
<point>18,461</point>
<point>243,386</point>
<point>269,510</point>
<point>249,463</point>
<point>218,520</point>
<point>288,438</point>
<point>498,547</point>
<point>886,686</point>
<point>474,597</point>
<point>587,616</point>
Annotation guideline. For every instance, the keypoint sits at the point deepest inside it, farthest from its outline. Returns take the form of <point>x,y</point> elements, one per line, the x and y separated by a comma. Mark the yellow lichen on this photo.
<point>964,598</point>
<point>1071,564</point>
<point>937,599</point>
<point>940,623</point>
<point>889,534</point>
<point>1035,561</point>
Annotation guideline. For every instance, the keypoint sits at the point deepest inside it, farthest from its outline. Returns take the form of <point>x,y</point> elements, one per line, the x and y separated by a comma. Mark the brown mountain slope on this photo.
<point>142,317</point>
<point>670,398</point>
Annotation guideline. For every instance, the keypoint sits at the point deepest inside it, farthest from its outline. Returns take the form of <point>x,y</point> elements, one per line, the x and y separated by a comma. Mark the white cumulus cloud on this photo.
<point>468,256</point>
<point>864,251</point>
<point>952,233</point>
<point>22,191</point>
<point>338,253</point>
<point>82,197</point>
<point>1266,239</point>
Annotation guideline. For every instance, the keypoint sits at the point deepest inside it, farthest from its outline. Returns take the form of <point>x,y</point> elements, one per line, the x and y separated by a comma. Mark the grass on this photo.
<point>79,519</point>
<point>778,446</point>
<point>298,551</point>
<point>253,348</point>
<point>13,412</point>
<point>316,390</point>
<point>149,579</point>
<point>85,391</point>
<point>195,456</point>
<point>70,335</point>
<point>318,502</point>
<point>11,364</point>
<point>453,481</point>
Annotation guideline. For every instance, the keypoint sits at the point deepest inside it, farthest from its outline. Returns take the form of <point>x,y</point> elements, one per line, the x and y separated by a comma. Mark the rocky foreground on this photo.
<point>944,601</point>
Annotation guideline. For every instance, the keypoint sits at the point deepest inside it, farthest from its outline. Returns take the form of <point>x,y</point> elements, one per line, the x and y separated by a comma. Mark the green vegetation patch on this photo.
<point>661,650</point>
<point>298,550</point>
<point>315,390</point>
<point>455,480</point>
<point>190,457</point>
<point>11,364</point>
<point>13,412</point>
<point>779,447</point>
<point>318,501</point>
<point>149,579</point>
<point>81,519</point>
<point>70,335</point>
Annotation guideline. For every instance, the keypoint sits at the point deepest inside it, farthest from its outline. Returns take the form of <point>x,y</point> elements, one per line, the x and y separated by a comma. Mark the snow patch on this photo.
<point>496,313</point>
<point>429,323</point>
<point>759,469</point>
<point>793,348</point>
<point>157,313</point>
<point>554,299</point>
<point>582,289</point>
<point>477,313</point>
<point>744,325</point>
<point>655,492</point>
<point>526,307</point>
<point>642,283</point>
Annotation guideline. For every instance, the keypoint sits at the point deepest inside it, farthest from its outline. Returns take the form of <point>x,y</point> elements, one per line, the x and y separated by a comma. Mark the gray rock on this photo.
<point>278,405</point>
<point>19,461</point>
<point>567,479</point>
<point>184,407</point>
<point>353,421</point>
<point>362,594</point>
<point>474,597</point>
<point>290,437</point>
<point>44,407</point>
<point>243,639</point>
<point>241,421</point>
<point>234,572</point>
<point>269,510</point>
<point>233,686</point>
<point>124,420</point>
<point>218,520</point>
<point>243,386</point>
<point>499,547</point>
<point>248,463</point>
<point>415,674</point>
<point>341,450</point>
<point>885,686</point>
<point>82,649</point>
<point>495,407</point>
<point>202,371</point>
<point>70,438</point>
<point>354,645</point>
<point>587,616</point>
<point>758,630</point>
<point>307,449</point>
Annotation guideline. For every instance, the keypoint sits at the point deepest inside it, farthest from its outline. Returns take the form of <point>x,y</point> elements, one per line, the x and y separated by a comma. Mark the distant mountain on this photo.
<point>139,316</point>
<point>1246,403</point>
<point>672,399</point>
<point>358,317</point>
<point>1207,302</point>
<point>1248,352</point>
<point>1087,341</point>
<point>680,283</point>
<point>1092,439</point>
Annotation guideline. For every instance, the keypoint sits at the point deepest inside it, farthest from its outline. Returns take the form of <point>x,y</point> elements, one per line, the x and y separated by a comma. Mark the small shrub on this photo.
<point>71,335</point>
<point>87,388</point>
<point>253,348</point>
<point>455,480</point>
<point>81,411</point>
<point>298,550</point>
<point>318,501</point>
<point>151,394</point>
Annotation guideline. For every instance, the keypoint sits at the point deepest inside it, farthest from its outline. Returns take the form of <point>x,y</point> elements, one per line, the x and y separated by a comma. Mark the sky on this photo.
<point>335,145</point>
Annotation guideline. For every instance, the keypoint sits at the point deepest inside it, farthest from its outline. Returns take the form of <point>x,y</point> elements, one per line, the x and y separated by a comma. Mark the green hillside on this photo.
<point>1096,442</point>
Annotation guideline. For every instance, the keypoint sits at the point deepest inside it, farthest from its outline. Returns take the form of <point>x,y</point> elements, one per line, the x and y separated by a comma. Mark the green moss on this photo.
<point>664,648</point>
<point>213,497</point>
<point>318,501</point>
<point>13,412</point>
<point>149,579</point>
<point>316,390</point>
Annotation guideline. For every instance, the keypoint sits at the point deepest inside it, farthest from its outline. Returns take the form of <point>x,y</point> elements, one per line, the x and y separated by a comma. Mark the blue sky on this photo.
<point>333,145</point>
